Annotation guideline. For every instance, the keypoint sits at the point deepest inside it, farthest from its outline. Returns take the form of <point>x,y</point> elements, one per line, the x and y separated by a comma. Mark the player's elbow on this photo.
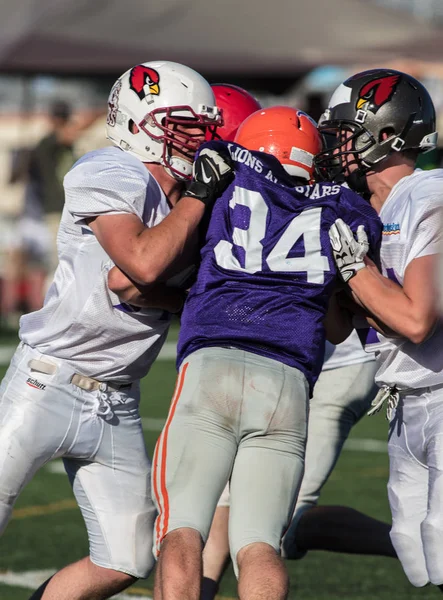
<point>419,330</point>
<point>142,272</point>
<point>149,273</point>
<point>118,282</point>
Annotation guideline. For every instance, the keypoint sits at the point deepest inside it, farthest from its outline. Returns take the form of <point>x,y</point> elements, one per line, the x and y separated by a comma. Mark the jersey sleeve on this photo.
<point>99,186</point>
<point>426,234</point>
<point>355,211</point>
<point>217,145</point>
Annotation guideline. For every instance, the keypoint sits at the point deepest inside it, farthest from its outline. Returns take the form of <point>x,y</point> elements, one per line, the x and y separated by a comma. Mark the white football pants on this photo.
<point>44,417</point>
<point>416,484</point>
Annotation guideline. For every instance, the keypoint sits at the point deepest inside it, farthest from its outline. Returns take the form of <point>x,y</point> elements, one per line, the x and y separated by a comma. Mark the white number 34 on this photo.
<point>306,225</point>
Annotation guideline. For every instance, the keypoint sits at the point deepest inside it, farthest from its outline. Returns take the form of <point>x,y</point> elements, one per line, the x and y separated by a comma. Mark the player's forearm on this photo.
<point>155,296</point>
<point>387,301</point>
<point>157,248</point>
<point>211,174</point>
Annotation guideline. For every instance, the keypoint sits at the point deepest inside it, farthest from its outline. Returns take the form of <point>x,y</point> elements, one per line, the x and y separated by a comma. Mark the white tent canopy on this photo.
<point>243,37</point>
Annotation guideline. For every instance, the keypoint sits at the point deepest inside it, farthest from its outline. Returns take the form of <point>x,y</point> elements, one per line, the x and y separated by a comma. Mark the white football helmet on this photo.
<point>157,97</point>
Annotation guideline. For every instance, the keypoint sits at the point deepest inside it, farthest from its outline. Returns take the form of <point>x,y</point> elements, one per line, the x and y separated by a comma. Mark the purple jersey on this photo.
<point>267,269</point>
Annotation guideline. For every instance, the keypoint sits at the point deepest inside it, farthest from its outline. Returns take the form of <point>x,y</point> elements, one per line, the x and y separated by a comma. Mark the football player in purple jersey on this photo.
<point>250,349</point>
<point>342,395</point>
<point>236,105</point>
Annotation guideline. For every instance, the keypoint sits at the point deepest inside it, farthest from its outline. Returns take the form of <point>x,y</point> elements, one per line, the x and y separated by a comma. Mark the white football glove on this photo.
<point>349,253</point>
<point>389,393</point>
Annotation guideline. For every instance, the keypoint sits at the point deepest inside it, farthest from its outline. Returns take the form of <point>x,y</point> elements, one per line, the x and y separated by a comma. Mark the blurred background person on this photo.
<point>49,161</point>
<point>32,253</point>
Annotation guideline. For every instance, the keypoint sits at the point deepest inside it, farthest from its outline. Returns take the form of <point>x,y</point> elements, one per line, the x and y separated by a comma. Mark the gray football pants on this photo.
<point>234,415</point>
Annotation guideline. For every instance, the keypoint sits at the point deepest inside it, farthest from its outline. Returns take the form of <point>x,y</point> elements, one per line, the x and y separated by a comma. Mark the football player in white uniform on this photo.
<point>382,120</point>
<point>72,388</point>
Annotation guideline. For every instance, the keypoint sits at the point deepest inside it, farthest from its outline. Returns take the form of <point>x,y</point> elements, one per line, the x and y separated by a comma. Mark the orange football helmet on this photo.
<point>236,104</point>
<point>287,133</point>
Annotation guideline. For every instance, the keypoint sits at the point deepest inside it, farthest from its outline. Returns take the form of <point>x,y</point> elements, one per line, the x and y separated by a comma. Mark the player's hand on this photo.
<point>211,174</point>
<point>349,253</point>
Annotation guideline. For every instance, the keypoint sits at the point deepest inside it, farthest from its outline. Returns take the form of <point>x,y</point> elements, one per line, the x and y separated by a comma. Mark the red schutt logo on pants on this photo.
<point>35,384</point>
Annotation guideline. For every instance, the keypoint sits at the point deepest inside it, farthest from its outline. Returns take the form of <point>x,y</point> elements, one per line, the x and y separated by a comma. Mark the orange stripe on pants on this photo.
<point>163,441</point>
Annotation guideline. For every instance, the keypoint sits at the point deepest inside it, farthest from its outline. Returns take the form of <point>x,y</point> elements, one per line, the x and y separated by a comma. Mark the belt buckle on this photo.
<point>85,383</point>
<point>91,385</point>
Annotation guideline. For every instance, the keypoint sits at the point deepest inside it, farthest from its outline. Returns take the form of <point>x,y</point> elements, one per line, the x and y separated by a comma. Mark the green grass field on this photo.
<point>47,531</point>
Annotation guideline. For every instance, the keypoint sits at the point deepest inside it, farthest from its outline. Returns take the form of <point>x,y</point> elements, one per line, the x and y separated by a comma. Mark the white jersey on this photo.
<point>82,321</point>
<point>412,218</point>
<point>349,352</point>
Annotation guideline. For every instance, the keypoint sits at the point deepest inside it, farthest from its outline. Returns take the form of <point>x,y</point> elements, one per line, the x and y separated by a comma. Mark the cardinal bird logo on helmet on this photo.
<point>144,81</point>
<point>377,92</point>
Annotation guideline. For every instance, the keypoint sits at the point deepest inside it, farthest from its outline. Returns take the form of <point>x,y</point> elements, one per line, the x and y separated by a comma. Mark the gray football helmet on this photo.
<point>370,116</point>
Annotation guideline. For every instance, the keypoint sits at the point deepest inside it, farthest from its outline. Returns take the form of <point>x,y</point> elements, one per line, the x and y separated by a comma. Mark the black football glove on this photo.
<point>212,172</point>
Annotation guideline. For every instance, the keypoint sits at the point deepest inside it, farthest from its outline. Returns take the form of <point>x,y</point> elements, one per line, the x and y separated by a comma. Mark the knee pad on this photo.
<point>409,548</point>
<point>432,536</point>
<point>127,546</point>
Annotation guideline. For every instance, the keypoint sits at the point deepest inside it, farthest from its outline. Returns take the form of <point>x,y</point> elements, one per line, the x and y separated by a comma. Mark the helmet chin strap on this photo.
<point>357,181</point>
<point>179,168</point>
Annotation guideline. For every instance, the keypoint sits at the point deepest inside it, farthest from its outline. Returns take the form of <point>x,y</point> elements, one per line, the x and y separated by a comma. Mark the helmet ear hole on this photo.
<point>385,134</point>
<point>133,127</point>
